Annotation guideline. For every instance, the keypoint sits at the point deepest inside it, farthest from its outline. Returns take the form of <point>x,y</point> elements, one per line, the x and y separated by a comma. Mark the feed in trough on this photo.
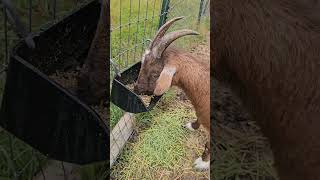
<point>68,80</point>
<point>145,98</point>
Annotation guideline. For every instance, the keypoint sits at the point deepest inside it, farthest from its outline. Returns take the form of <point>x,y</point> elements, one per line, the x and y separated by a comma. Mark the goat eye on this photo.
<point>155,75</point>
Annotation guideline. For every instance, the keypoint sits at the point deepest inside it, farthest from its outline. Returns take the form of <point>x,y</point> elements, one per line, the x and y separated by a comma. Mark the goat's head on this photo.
<point>155,75</point>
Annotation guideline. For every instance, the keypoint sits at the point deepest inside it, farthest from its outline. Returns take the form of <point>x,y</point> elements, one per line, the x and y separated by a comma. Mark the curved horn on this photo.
<point>163,29</point>
<point>169,38</point>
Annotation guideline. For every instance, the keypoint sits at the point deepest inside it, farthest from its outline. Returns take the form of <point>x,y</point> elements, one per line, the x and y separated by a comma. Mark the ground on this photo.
<point>161,148</point>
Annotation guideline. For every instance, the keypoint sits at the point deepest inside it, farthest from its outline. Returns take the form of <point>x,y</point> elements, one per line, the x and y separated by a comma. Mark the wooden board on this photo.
<point>120,135</point>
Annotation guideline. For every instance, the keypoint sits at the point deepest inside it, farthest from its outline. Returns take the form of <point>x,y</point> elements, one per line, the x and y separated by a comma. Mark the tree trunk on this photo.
<point>93,81</point>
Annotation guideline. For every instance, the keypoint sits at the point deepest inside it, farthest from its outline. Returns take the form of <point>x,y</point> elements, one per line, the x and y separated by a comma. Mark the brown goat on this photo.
<point>164,67</point>
<point>269,52</point>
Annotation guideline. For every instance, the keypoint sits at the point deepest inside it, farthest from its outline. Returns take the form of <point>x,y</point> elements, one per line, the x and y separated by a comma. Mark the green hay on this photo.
<point>158,147</point>
<point>161,149</point>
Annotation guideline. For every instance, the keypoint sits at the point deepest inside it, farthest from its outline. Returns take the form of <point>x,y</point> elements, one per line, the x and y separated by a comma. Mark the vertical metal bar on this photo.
<point>205,7</point>
<point>154,6</point>
<point>164,12</point>
<point>135,43</point>
<point>5,36</point>
<point>160,13</point>
<point>200,11</point>
<point>120,28</point>
<point>30,16</point>
<point>64,171</point>
<point>54,9</point>
<point>12,157</point>
<point>144,30</point>
<point>111,48</point>
<point>39,164</point>
<point>129,33</point>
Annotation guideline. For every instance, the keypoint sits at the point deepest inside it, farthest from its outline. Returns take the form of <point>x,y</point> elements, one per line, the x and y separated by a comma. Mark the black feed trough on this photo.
<point>124,97</point>
<point>40,111</point>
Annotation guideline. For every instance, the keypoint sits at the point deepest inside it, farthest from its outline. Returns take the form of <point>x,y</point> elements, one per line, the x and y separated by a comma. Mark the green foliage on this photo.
<point>115,113</point>
<point>159,145</point>
<point>17,159</point>
<point>137,22</point>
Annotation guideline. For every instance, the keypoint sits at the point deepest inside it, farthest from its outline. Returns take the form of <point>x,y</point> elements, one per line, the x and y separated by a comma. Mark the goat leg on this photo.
<point>203,162</point>
<point>193,125</point>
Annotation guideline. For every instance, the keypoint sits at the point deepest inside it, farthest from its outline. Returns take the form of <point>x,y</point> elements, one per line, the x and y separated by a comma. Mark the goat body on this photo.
<point>192,76</point>
<point>269,52</point>
<point>163,66</point>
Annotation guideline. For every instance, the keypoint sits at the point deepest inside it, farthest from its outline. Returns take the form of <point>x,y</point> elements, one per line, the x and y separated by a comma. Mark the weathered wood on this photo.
<point>119,135</point>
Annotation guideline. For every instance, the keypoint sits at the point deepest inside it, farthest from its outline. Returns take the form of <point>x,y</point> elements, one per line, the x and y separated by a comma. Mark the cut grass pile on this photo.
<point>242,154</point>
<point>162,148</point>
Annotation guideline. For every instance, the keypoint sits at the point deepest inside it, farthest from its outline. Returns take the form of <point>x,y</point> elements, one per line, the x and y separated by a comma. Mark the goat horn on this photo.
<point>163,29</point>
<point>169,38</point>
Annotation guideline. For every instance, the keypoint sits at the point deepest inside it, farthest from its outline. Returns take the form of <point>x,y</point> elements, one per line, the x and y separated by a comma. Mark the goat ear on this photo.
<point>164,81</point>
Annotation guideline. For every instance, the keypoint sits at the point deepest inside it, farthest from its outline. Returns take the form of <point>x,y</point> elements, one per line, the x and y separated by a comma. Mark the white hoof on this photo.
<point>189,126</point>
<point>201,165</point>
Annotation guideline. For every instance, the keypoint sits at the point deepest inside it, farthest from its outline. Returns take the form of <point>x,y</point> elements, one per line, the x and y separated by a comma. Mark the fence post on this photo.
<point>206,7</point>
<point>200,11</point>
<point>164,12</point>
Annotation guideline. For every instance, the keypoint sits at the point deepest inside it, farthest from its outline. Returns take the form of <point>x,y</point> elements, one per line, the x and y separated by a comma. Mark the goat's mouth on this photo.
<point>147,93</point>
<point>142,92</point>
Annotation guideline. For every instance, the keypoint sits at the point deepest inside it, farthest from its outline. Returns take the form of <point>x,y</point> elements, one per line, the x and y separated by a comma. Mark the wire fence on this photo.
<point>133,23</point>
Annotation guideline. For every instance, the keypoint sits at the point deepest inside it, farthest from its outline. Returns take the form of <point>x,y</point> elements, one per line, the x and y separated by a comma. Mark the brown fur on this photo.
<point>269,52</point>
<point>192,75</point>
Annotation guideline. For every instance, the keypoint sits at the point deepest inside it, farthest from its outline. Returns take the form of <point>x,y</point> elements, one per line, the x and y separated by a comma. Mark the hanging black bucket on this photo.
<point>125,98</point>
<point>40,111</point>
